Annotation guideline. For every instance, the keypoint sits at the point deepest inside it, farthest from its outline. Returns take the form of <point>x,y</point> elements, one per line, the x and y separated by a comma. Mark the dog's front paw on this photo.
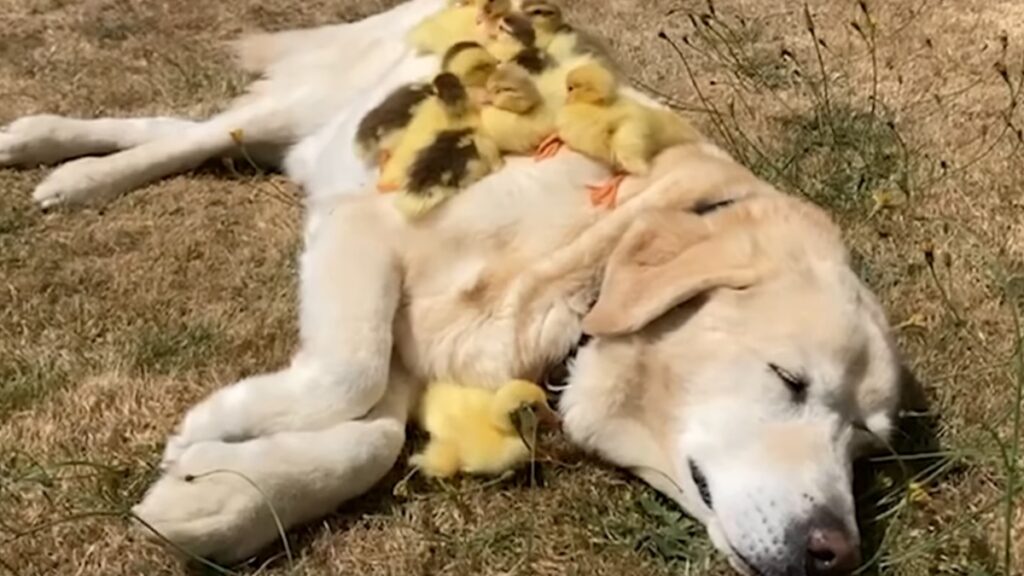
<point>79,182</point>
<point>206,511</point>
<point>175,448</point>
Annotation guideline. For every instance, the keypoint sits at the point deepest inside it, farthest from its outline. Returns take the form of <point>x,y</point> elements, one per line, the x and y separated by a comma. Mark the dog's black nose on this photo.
<point>831,551</point>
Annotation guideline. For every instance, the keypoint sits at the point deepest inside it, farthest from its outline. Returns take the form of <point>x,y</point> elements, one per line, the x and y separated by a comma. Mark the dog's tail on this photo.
<point>259,51</point>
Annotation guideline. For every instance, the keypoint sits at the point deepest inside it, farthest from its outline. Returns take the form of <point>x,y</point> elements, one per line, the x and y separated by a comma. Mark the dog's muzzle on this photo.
<point>822,546</point>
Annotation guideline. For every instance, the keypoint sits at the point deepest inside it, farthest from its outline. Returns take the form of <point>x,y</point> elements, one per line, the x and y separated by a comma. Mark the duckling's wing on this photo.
<point>633,145</point>
<point>394,113</point>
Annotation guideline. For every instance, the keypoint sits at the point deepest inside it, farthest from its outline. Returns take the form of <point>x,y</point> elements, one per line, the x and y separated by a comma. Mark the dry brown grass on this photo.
<point>111,324</point>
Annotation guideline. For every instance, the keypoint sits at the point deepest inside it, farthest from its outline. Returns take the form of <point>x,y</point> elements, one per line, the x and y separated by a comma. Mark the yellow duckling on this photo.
<point>599,122</point>
<point>450,154</point>
<point>473,65</point>
<point>460,21</point>
<point>554,34</point>
<point>516,117</point>
<point>472,430</point>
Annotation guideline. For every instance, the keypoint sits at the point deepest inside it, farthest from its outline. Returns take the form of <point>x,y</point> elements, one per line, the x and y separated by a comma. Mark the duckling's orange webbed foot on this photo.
<point>385,187</point>
<point>549,148</point>
<point>605,195</point>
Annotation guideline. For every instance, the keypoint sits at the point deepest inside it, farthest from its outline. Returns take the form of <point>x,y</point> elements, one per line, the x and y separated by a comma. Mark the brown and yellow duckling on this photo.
<point>380,131</point>
<point>448,151</point>
<point>555,35</point>
<point>514,33</point>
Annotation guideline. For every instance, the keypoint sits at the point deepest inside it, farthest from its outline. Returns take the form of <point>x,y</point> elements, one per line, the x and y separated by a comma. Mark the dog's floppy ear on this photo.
<point>663,260</point>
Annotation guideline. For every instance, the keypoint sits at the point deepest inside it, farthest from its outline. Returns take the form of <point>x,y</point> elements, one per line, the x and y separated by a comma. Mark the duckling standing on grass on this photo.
<point>516,117</point>
<point>473,430</point>
<point>600,123</point>
<point>454,157</point>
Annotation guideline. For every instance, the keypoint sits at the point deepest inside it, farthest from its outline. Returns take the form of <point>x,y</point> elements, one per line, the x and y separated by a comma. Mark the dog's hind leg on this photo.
<point>219,499</point>
<point>350,289</point>
<point>47,139</point>
<point>261,122</point>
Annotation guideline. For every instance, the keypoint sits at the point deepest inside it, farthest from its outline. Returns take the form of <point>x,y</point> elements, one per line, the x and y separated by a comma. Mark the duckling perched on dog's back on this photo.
<point>555,35</point>
<point>461,21</point>
<point>472,429</point>
<point>601,123</point>
<point>448,108</point>
<point>472,64</point>
<point>516,117</point>
<point>514,34</point>
<point>381,129</point>
<point>455,157</point>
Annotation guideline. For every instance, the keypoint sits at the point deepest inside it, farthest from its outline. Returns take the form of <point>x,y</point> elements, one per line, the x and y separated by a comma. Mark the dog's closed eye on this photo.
<point>701,482</point>
<point>797,385</point>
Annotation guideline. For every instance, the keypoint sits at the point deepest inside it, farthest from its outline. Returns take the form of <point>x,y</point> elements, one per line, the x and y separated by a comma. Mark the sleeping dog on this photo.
<point>736,363</point>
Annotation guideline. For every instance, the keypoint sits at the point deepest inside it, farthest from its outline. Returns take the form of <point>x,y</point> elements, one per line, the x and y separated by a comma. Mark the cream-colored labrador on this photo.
<point>739,365</point>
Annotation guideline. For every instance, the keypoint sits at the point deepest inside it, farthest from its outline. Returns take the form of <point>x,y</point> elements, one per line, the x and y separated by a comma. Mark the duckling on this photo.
<point>448,108</point>
<point>490,13</point>
<point>473,65</point>
<point>460,21</point>
<point>456,23</point>
<point>455,160</point>
<point>557,37</point>
<point>601,123</point>
<point>454,157</point>
<point>514,34</point>
<point>472,430</point>
<point>516,117</point>
<point>534,60</point>
<point>381,129</point>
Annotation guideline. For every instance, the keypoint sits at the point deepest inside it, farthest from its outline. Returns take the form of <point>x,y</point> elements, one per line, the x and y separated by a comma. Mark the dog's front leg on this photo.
<point>350,287</point>
<point>219,499</point>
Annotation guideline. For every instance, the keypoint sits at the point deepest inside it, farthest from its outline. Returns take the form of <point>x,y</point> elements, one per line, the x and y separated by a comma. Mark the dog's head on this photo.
<point>741,367</point>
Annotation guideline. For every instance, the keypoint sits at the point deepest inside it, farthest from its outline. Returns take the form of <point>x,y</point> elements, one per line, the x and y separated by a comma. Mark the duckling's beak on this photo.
<point>548,418</point>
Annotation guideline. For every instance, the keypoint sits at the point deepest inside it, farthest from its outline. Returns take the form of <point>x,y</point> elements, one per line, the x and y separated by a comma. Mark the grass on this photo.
<point>901,117</point>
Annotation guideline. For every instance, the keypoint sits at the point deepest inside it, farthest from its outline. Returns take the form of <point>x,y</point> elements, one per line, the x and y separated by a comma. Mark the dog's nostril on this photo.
<point>831,552</point>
